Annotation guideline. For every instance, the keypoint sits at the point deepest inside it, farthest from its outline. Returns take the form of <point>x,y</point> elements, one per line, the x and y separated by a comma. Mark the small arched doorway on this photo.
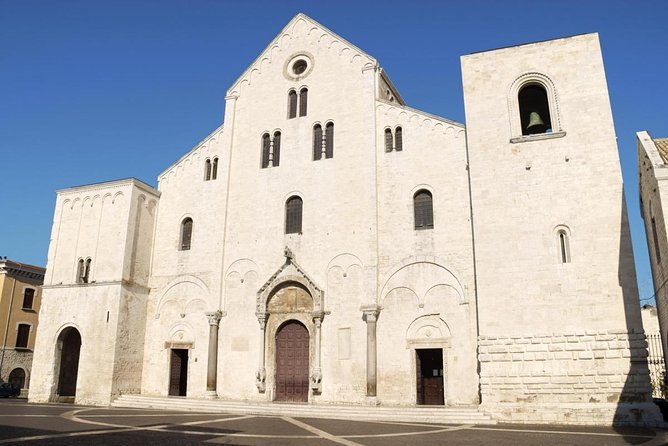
<point>69,343</point>
<point>17,377</point>
<point>292,362</point>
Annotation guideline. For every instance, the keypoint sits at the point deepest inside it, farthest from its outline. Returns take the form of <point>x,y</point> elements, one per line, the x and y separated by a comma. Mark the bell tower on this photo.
<point>555,275</point>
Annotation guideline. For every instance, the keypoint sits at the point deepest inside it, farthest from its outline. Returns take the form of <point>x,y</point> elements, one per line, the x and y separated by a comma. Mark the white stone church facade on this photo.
<point>330,244</point>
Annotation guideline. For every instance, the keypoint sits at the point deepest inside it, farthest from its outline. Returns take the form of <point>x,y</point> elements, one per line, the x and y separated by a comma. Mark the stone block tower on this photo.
<point>559,321</point>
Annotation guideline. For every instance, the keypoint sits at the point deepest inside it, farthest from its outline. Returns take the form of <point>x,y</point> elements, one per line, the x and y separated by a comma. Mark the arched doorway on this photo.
<point>17,377</point>
<point>69,342</point>
<point>292,362</point>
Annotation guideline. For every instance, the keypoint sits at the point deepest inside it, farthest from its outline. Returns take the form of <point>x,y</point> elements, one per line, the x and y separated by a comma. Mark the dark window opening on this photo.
<point>207,170</point>
<point>22,336</point>
<point>534,110</point>
<point>277,149</point>
<point>266,147</point>
<point>398,140</point>
<point>299,67</point>
<point>657,252</point>
<point>293,215</point>
<point>303,101</point>
<point>28,298</point>
<point>423,209</point>
<point>186,234</point>
<point>388,140</point>
<point>214,169</point>
<point>86,277</point>
<point>80,271</point>
<point>329,140</point>
<point>563,247</point>
<point>292,104</point>
<point>317,142</point>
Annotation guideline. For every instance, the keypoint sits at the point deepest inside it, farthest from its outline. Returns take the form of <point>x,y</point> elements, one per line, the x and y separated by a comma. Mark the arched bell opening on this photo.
<point>534,110</point>
<point>68,350</point>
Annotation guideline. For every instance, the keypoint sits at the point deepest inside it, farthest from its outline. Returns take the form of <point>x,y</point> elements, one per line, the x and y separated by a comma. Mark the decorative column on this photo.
<point>212,366</point>
<point>370,317</point>
<point>316,376</point>
<point>261,374</point>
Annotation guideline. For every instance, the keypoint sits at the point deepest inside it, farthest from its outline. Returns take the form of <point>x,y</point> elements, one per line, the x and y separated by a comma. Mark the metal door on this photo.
<point>292,368</point>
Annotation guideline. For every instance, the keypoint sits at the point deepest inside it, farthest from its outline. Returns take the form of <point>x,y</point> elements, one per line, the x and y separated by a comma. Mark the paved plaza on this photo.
<point>60,424</point>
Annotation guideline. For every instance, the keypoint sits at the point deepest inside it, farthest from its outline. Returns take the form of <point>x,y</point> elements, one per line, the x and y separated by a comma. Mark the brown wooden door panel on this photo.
<point>178,372</point>
<point>292,367</point>
<point>429,374</point>
<point>69,363</point>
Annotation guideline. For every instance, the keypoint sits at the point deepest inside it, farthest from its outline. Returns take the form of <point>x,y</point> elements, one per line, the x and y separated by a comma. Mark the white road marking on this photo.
<point>194,423</point>
<point>321,433</point>
<point>404,434</point>
<point>539,431</point>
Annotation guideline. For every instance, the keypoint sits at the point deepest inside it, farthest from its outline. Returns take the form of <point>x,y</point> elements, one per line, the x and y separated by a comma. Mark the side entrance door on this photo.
<point>292,369</point>
<point>178,372</point>
<point>429,373</point>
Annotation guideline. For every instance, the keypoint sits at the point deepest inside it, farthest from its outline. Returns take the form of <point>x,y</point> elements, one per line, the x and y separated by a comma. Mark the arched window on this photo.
<point>22,335</point>
<point>303,101</point>
<point>186,233</point>
<point>277,149</point>
<point>292,104</point>
<point>398,139</point>
<point>329,140</point>
<point>564,248</point>
<point>214,169</point>
<point>423,209</point>
<point>17,377</point>
<point>388,140</point>
<point>207,170</point>
<point>293,215</point>
<point>86,277</point>
<point>317,142</point>
<point>81,271</point>
<point>266,147</point>
<point>534,110</point>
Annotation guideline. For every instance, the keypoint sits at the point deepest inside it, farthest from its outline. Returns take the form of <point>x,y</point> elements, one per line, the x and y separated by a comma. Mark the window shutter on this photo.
<point>329,143</point>
<point>22,336</point>
<point>28,297</point>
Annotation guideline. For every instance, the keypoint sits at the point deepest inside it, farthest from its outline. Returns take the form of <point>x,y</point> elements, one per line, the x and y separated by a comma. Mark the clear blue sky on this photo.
<point>94,90</point>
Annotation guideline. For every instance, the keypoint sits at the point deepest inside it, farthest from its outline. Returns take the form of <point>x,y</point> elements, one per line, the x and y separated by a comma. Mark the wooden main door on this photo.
<point>178,372</point>
<point>292,348</point>
<point>70,340</point>
<point>429,372</point>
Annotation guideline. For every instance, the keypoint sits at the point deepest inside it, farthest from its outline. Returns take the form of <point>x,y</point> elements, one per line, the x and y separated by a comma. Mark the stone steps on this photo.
<point>428,414</point>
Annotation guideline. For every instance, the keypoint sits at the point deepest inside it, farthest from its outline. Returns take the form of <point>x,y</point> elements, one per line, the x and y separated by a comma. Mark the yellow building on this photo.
<point>20,297</point>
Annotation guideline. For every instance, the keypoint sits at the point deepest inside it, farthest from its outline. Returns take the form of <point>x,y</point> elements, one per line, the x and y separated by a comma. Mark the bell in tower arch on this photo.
<point>536,124</point>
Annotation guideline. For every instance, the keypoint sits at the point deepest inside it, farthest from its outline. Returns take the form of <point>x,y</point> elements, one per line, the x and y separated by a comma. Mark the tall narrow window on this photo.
<point>388,140</point>
<point>564,248</point>
<point>186,234</point>
<point>22,335</point>
<point>534,110</point>
<point>657,252</point>
<point>214,169</point>
<point>423,209</point>
<point>86,277</point>
<point>292,104</point>
<point>207,170</point>
<point>398,139</point>
<point>303,101</point>
<point>81,271</point>
<point>266,147</point>
<point>277,149</point>
<point>293,215</point>
<point>329,140</point>
<point>28,298</point>
<point>317,142</point>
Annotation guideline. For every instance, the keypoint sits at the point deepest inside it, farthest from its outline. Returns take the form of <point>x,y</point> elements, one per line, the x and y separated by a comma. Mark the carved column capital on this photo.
<point>214,316</point>
<point>370,312</point>
<point>262,319</point>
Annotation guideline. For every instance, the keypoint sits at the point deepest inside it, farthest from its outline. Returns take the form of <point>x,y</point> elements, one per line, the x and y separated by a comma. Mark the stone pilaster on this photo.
<point>212,365</point>
<point>261,374</point>
<point>370,317</point>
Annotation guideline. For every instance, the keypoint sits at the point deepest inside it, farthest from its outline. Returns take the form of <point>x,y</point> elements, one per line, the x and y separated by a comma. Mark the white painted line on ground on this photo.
<point>403,434</point>
<point>63,435</point>
<point>321,433</point>
<point>194,423</point>
<point>539,431</point>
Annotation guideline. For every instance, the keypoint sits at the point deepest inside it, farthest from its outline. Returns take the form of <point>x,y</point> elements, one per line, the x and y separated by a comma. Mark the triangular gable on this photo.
<point>297,21</point>
<point>290,271</point>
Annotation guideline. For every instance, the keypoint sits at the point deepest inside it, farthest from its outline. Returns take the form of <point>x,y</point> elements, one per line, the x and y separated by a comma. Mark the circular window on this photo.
<point>299,67</point>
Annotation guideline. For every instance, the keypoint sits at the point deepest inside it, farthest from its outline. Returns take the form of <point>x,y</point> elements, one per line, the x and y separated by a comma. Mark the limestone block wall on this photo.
<point>563,377</point>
